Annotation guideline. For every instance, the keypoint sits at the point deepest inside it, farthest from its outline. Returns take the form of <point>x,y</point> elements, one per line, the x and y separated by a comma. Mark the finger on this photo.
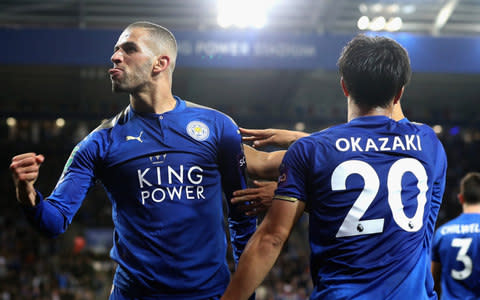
<point>261,143</point>
<point>19,172</point>
<point>40,158</point>
<point>254,132</point>
<point>27,169</point>
<point>28,176</point>
<point>23,156</point>
<point>23,162</point>
<point>251,138</point>
<point>248,191</point>
<point>242,199</point>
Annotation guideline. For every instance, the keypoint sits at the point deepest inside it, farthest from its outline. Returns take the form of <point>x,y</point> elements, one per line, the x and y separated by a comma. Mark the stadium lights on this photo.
<point>374,16</point>
<point>11,122</point>
<point>240,13</point>
<point>60,122</point>
<point>394,24</point>
<point>438,129</point>
<point>300,126</point>
<point>379,23</point>
<point>363,23</point>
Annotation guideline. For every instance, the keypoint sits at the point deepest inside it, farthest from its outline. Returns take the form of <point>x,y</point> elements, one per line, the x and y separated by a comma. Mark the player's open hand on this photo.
<point>256,200</point>
<point>277,137</point>
<point>25,168</point>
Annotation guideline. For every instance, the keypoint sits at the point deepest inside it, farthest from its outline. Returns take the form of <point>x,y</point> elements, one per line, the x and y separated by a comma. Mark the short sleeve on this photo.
<point>292,182</point>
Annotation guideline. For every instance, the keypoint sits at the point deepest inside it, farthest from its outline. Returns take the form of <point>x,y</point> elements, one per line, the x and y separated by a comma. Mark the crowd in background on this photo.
<point>68,267</point>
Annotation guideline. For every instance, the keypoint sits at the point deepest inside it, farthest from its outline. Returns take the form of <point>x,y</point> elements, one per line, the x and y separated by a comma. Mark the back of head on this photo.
<point>162,39</point>
<point>374,70</point>
<point>470,188</point>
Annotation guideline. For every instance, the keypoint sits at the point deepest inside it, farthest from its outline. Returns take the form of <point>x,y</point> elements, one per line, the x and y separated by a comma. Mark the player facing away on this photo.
<point>372,186</point>
<point>456,247</point>
<point>163,162</point>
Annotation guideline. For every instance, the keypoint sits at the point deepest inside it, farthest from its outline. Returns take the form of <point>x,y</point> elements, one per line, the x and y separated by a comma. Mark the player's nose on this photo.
<point>117,57</point>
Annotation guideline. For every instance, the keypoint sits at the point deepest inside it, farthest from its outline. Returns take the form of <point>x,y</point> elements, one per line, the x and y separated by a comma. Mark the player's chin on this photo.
<point>117,87</point>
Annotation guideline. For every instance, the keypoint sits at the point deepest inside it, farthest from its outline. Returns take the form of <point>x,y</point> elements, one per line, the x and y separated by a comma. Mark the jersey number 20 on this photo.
<point>352,225</point>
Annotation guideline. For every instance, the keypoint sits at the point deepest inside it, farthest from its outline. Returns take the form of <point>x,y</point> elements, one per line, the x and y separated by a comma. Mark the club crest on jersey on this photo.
<point>198,130</point>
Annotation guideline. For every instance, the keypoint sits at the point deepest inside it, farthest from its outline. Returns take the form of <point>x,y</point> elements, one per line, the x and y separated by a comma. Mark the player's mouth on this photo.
<point>115,72</point>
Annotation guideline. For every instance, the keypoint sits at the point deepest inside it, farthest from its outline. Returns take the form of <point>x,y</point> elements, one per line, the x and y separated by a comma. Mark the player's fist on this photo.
<point>25,168</point>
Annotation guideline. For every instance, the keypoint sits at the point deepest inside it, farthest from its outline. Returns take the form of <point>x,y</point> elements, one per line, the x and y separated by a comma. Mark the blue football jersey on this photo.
<point>164,175</point>
<point>456,246</point>
<point>373,188</point>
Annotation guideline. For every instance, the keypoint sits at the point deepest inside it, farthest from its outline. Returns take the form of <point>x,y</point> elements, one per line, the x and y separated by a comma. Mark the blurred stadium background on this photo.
<point>266,63</point>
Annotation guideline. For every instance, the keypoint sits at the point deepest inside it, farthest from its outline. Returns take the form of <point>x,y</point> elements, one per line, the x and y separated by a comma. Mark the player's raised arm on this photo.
<point>25,168</point>
<point>276,137</point>
<point>52,215</point>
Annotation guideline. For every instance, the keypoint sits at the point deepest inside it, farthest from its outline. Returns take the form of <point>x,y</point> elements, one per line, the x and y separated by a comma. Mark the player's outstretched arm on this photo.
<point>263,249</point>
<point>25,168</point>
<point>261,164</point>
<point>255,200</point>
<point>276,137</point>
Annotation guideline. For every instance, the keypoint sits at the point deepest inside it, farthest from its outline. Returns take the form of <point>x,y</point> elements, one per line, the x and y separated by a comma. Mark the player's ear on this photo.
<point>344,87</point>
<point>398,95</point>
<point>461,199</point>
<point>161,64</point>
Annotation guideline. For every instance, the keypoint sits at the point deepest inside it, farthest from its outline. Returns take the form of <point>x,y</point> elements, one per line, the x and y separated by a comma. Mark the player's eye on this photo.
<point>130,49</point>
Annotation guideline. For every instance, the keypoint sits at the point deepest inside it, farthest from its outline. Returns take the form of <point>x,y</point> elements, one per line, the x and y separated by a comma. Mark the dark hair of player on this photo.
<point>470,188</point>
<point>374,70</point>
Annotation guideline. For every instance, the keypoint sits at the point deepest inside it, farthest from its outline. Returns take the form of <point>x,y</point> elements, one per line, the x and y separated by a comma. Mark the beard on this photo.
<point>132,81</point>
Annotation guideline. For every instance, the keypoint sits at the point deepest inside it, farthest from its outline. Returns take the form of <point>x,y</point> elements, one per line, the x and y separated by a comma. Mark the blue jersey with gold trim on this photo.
<point>456,246</point>
<point>164,175</point>
<point>373,188</point>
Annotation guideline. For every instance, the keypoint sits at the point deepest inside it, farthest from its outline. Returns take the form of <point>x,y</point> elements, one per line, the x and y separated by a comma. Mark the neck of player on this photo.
<point>156,98</point>
<point>355,110</point>
<point>471,208</point>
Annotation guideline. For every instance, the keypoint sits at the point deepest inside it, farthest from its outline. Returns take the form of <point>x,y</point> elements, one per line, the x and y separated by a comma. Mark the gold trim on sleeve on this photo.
<point>285,198</point>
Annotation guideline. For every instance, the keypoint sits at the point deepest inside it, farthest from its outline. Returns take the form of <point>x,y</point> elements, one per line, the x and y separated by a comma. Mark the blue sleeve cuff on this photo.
<point>33,211</point>
<point>44,217</point>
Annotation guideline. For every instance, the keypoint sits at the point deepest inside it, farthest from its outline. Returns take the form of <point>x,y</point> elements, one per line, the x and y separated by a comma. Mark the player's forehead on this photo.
<point>132,35</point>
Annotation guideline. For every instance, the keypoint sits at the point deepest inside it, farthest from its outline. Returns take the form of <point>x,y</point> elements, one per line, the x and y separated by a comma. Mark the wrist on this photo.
<point>27,197</point>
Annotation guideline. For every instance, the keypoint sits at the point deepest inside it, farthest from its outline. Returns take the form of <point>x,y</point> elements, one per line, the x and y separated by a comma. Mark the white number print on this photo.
<point>352,225</point>
<point>462,256</point>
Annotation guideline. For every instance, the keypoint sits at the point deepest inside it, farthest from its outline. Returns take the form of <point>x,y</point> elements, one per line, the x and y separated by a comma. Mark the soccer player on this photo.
<point>372,186</point>
<point>256,200</point>
<point>456,247</point>
<point>163,162</point>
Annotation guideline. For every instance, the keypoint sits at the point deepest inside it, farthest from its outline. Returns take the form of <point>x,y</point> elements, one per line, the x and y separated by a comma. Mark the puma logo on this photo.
<point>138,138</point>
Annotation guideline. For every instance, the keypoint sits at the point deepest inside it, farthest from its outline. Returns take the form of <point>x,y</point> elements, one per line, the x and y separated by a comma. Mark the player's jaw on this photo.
<point>129,80</point>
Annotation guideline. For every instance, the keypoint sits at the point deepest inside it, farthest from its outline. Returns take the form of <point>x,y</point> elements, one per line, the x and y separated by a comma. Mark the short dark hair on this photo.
<point>163,37</point>
<point>470,188</point>
<point>374,70</point>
